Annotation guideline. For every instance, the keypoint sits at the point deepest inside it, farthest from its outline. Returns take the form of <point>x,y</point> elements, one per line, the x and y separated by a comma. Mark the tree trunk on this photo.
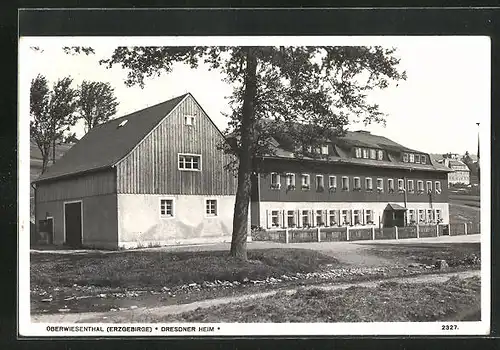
<point>240,217</point>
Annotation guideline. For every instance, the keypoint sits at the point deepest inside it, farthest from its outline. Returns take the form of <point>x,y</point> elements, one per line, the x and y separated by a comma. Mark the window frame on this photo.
<point>288,216</point>
<point>277,218</point>
<point>275,185</point>
<point>370,181</point>
<point>423,159</point>
<point>436,185</point>
<point>357,152</point>
<point>190,117</point>
<point>354,188</point>
<point>411,158</point>
<point>345,188</point>
<point>427,187</point>
<point>381,181</point>
<point>307,185</point>
<point>401,184</point>
<point>330,177</point>
<point>390,185</point>
<point>373,153</point>
<point>324,150</point>
<point>332,213</point>
<point>165,216</point>
<point>417,158</point>
<point>405,157</point>
<point>306,215</point>
<point>216,208</point>
<point>380,154</point>
<point>420,186</point>
<point>292,181</point>
<point>192,155</point>
<point>320,186</point>
<point>366,153</point>
<point>411,189</point>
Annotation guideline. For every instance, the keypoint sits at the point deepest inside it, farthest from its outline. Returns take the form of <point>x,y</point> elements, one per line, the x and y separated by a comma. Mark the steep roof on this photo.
<point>107,143</point>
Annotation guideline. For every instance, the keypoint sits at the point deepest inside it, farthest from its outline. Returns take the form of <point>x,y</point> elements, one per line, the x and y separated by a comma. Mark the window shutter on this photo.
<point>280,218</point>
<point>325,217</point>
<point>351,218</point>
<point>268,216</point>
<point>285,218</point>
<point>299,218</point>
<point>312,216</point>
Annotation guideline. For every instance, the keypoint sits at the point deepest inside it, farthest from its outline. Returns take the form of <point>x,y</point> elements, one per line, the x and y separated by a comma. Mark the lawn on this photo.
<point>454,300</point>
<point>155,268</point>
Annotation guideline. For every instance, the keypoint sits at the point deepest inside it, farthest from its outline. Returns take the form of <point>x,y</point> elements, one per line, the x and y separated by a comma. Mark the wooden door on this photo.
<point>73,224</point>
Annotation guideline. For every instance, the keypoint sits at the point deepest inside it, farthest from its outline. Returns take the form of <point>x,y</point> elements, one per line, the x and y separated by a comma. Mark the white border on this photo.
<point>64,218</point>
<point>396,328</point>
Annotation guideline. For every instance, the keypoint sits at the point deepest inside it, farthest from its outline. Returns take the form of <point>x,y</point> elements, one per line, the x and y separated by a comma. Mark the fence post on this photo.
<point>347,232</point>
<point>373,233</point>
<point>437,230</point>
<point>396,230</point>
<point>319,233</point>
<point>418,231</point>
<point>287,239</point>
<point>465,227</point>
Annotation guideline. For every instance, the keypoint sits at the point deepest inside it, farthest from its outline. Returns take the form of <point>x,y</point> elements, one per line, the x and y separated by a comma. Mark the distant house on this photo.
<point>153,177</point>
<point>360,179</point>
<point>460,172</point>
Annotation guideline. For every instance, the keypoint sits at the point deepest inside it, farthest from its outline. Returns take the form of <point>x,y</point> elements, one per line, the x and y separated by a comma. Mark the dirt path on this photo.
<point>129,315</point>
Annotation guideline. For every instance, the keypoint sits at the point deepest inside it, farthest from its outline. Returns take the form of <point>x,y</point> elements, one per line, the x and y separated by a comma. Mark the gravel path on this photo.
<point>129,315</point>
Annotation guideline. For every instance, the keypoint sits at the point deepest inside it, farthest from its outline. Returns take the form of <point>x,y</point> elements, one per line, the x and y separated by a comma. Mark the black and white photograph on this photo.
<point>229,186</point>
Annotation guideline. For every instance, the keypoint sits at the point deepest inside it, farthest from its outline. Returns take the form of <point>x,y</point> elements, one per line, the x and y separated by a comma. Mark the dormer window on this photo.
<point>380,154</point>
<point>324,149</point>
<point>417,158</point>
<point>357,152</point>
<point>189,120</point>
<point>373,154</point>
<point>365,153</point>
<point>423,159</point>
<point>405,157</point>
<point>412,158</point>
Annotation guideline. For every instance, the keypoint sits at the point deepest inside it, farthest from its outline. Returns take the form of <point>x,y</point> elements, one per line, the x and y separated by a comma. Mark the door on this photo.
<point>73,224</point>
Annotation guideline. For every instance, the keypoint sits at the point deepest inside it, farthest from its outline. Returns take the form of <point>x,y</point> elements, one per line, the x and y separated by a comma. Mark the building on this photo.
<point>153,177</point>
<point>358,179</point>
<point>460,172</point>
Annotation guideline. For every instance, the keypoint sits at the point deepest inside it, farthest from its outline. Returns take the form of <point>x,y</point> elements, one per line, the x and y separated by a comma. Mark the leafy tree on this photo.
<point>307,93</point>
<point>52,114</point>
<point>96,103</point>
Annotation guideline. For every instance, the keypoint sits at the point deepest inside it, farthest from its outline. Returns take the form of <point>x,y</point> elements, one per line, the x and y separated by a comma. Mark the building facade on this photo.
<point>154,177</point>
<point>460,172</point>
<point>360,180</point>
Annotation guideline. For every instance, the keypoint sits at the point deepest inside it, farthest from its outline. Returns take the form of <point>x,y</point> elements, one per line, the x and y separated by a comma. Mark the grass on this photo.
<point>453,300</point>
<point>140,269</point>
<point>456,254</point>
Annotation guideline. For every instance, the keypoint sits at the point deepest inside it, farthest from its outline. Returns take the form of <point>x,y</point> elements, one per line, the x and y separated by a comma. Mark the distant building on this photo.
<point>460,172</point>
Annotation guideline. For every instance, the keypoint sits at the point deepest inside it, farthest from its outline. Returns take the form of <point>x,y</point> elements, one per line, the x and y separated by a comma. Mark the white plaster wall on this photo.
<point>377,208</point>
<point>140,223</point>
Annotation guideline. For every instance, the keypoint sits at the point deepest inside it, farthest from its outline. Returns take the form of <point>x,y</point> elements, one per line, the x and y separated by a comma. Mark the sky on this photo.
<point>435,110</point>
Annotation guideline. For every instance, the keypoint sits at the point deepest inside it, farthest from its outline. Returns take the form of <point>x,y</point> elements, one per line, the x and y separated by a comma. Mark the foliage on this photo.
<point>51,113</point>
<point>305,95</point>
<point>96,102</point>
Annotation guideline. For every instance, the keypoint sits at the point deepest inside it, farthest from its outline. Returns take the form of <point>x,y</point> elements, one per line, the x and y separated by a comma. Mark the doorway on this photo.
<point>73,224</point>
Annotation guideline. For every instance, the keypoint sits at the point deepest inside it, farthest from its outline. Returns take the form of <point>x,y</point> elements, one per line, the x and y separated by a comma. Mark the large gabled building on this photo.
<point>358,179</point>
<point>153,177</point>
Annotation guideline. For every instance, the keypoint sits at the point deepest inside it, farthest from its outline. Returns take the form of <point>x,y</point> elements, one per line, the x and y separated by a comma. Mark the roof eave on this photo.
<point>78,173</point>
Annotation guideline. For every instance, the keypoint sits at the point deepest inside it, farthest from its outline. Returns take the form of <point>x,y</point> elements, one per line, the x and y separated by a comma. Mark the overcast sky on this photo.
<point>435,110</point>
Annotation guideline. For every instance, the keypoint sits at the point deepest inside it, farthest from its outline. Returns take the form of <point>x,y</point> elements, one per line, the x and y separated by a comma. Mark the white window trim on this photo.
<point>374,153</point>
<point>324,150</point>
<point>308,181</point>
<point>189,117</point>
<point>423,159</point>
<point>427,187</point>
<point>401,184</point>
<point>287,176</point>
<point>380,154</point>
<point>354,183</point>
<point>278,181</point>
<point>207,215</point>
<point>322,181</point>
<point>380,188</point>
<point>179,155</point>
<point>420,188</point>
<point>345,178</point>
<point>369,179</point>
<point>436,185</point>
<point>389,182</point>
<point>173,207</point>
<point>412,188</point>
<point>330,177</point>
<point>411,158</point>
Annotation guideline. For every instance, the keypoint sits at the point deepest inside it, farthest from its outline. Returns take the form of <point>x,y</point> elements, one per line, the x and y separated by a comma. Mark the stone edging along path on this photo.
<point>128,315</point>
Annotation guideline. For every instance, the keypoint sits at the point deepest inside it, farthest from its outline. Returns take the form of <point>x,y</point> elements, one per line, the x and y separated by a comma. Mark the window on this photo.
<point>275,181</point>
<point>345,217</point>
<point>369,184</point>
<point>420,186</point>
<point>189,162</point>
<point>437,187</point>
<point>369,216</point>
<point>357,152</point>
<point>356,217</point>
<point>390,185</point>
<point>380,185</point>
<point>421,215</point>
<point>332,217</point>
<point>411,188</point>
<point>380,154</point>
<point>189,120</point>
<point>290,181</point>
<point>324,149</point>
<point>365,153</point>
<point>345,183</point>
<point>417,158</point>
<point>373,154</point>
<point>290,218</point>
<point>305,181</point>
<point>320,185</point>
<point>401,185</point>
<point>439,218</point>
<point>211,207</point>
<point>429,186</point>
<point>411,216</point>
<point>412,158</point>
<point>305,218</point>
<point>332,182</point>
<point>357,184</point>
<point>430,216</point>
<point>423,159</point>
<point>405,157</point>
<point>275,218</point>
<point>319,218</point>
<point>166,208</point>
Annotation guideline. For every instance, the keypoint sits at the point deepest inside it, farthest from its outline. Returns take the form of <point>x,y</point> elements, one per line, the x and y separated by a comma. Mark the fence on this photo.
<point>346,233</point>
